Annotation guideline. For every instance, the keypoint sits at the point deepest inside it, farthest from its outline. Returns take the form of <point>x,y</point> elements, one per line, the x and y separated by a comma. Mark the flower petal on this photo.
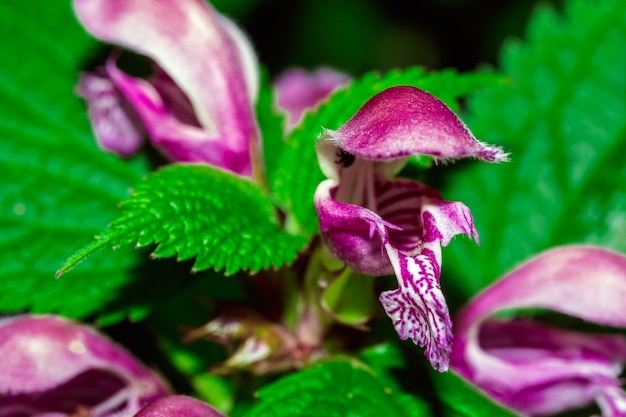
<point>408,214</point>
<point>418,309</point>
<point>354,234</point>
<point>536,369</point>
<point>171,127</point>
<point>179,406</point>
<point>116,125</point>
<point>569,279</point>
<point>48,354</point>
<point>402,121</point>
<point>193,45</point>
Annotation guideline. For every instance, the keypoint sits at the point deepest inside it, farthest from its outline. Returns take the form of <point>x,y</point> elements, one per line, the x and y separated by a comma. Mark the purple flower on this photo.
<point>537,369</point>
<point>298,90</point>
<point>178,406</point>
<point>54,367</point>
<point>198,104</point>
<point>379,225</point>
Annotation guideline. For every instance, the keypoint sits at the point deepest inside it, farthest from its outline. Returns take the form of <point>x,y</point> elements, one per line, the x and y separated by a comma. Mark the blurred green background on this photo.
<point>361,35</point>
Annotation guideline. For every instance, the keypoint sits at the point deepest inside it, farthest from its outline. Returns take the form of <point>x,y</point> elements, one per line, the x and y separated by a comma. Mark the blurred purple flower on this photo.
<point>198,104</point>
<point>298,90</point>
<point>379,225</point>
<point>54,367</point>
<point>537,369</point>
<point>178,406</point>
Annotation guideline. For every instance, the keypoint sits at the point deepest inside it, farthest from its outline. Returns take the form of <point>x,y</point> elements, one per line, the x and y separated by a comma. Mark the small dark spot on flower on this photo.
<point>344,158</point>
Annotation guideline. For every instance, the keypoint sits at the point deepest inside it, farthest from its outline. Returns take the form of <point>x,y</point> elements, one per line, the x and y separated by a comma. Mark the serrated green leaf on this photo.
<point>564,121</point>
<point>334,389</point>
<point>299,173</point>
<point>461,399</point>
<point>224,221</point>
<point>57,186</point>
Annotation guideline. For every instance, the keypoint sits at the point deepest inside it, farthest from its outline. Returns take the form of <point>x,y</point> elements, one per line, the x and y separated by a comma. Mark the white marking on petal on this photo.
<point>418,308</point>
<point>612,400</point>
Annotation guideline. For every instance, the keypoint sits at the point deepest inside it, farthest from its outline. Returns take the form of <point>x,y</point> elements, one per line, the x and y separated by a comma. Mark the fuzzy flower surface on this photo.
<point>197,105</point>
<point>535,368</point>
<point>381,225</point>
<point>55,367</point>
<point>178,406</point>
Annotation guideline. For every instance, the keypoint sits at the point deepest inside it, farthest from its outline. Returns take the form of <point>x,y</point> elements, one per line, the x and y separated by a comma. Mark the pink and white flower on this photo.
<point>379,225</point>
<point>537,369</point>
<point>55,367</point>
<point>198,105</point>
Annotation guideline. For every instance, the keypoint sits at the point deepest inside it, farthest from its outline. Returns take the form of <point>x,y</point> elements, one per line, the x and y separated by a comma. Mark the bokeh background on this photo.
<point>362,35</point>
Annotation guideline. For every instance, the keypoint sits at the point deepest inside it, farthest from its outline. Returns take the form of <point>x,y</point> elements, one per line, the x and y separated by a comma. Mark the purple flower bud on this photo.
<point>379,225</point>
<point>115,123</point>
<point>53,366</point>
<point>537,369</point>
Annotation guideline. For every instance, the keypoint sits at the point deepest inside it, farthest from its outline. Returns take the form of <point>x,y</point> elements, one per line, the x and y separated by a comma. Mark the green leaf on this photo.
<point>57,187</point>
<point>564,121</point>
<point>299,172</point>
<point>388,360</point>
<point>224,221</point>
<point>461,399</point>
<point>272,123</point>
<point>334,389</point>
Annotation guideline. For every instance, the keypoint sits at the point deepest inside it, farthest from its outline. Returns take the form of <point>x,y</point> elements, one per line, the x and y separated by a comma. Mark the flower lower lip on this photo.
<point>90,390</point>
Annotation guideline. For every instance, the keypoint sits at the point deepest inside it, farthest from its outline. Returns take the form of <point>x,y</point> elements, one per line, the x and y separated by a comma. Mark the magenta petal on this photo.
<point>404,236</point>
<point>555,280</point>
<point>116,125</point>
<point>178,406</point>
<point>197,48</point>
<point>402,121</point>
<point>171,127</point>
<point>408,215</point>
<point>536,369</point>
<point>443,220</point>
<point>53,365</point>
<point>418,309</point>
<point>353,233</point>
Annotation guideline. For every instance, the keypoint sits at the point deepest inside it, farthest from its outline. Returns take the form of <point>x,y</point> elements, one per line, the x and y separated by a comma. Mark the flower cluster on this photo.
<point>200,110</point>
<point>197,105</point>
